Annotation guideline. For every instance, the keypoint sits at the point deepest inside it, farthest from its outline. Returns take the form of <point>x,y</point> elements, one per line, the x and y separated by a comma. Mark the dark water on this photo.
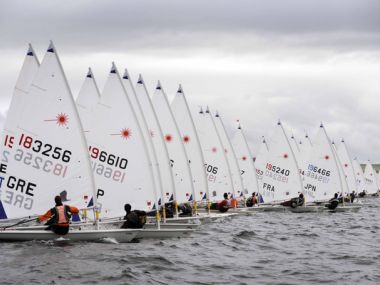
<point>266,248</point>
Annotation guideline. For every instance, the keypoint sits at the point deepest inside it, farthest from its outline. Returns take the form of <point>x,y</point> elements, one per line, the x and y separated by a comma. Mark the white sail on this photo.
<point>45,151</point>
<point>321,174</point>
<point>296,150</point>
<point>88,98</point>
<point>370,179</point>
<point>260,162</point>
<point>238,189</point>
<point>193,148</point>
<point>359,176</point>
<point>25,78</point>
<point>281,179</point>
<point>131,93</point>
<point>120,159</point>
<point>245,160</point>
<point>345,188</point>
<point>157,136</point>
<point>347,166</point>
<point>218,178</point>
<point>179,161</point>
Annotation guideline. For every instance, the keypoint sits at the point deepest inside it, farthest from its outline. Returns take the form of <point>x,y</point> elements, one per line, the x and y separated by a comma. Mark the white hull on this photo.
<point>117,225</point>
<point>200,218</point>
<point>237,211</point>
<point>268,208</point>
<point>120,235</point>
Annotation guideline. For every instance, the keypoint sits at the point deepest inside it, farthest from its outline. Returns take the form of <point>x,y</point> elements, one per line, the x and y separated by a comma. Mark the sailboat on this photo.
<point>260,161</point>
<point>372,188</point>
<point>245,160</point>
<point>237,182</point>
<point>192,145</point>
<point>281,179</point>
<point>218,177</point>
<point>359,176</point>
<point>167,180</point>
<point>179,161</point>
<point>47,155</point>
<point>323,175</point>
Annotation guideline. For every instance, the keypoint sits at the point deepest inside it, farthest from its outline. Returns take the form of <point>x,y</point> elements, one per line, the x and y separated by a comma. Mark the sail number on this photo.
<point>110,159</point>
<point>211,169</point>
<point>39,147</point>
<point>318,170</point>
<point>277,169</point>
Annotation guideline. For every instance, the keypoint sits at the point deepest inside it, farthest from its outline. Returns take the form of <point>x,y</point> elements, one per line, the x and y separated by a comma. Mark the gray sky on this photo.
<point>301,61</point>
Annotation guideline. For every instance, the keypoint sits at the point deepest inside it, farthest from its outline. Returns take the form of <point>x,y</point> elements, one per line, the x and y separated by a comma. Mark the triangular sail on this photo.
<point>177,153</point>
<point>25,78</point>
<point>359,176</point>
<point>218,177</point>
<point>157,136</point>
<point>190,138</point>
<point>347,166</point>
<point>296,149</point>
<point>321,174</point>
<point>281,179</point>
<point>47,151</point>
<point>370,179</point>
<point>88,98</point>
<point>120,159</point>
<point>245,160</point>
<point>131,93</point>
<point>260,162</point>
<point>345,188</point>
<point>238,189</point>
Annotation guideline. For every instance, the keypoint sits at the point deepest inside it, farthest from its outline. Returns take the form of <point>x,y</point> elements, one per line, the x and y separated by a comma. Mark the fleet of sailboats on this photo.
<point>120,145</point>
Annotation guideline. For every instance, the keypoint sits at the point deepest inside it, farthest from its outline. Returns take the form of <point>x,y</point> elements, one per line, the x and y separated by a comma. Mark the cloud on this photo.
<point>258,61</point>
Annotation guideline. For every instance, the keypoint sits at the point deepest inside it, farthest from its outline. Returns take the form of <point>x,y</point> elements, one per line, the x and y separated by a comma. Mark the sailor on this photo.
<point>58,217</point>
<point>301,200</point>
<point>224,204</point>
<point>333,203</point>
<point>185,210</point>
<point>251,201</point>
<point>234,203</point>
<point>133,219</point>
<point>352,196</point>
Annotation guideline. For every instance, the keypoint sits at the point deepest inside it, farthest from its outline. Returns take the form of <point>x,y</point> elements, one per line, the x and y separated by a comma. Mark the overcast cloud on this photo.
<point>258,61</point>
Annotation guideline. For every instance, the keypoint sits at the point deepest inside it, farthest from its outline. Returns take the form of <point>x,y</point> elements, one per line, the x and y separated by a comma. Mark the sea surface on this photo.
<point>265,248</point>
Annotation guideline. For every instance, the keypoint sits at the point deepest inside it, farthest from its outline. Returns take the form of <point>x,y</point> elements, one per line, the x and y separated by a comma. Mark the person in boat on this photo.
<point>58,217</point>
<point>300,200</point>
<point>251,201</point>
<point>185,210</point>
<point>333,202</point>
<point>234,203</point>
<point>224,205</point>
<point>133,219</point>
<point>352,196</point>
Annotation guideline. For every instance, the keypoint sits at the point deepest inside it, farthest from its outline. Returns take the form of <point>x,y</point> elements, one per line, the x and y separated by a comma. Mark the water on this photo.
<point>266,248</point>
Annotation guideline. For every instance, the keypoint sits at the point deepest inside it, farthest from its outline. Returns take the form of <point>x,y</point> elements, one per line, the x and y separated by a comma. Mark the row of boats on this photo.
<point>122,145</point>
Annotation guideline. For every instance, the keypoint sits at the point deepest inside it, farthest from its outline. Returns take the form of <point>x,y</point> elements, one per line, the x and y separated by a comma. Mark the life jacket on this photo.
<point>60,215</point>
<point>234,203</point>
<point>223,206</point>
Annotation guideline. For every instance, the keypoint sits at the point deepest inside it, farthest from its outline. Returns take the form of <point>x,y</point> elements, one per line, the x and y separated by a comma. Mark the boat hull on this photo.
<point>268,208</point>
<point>120,235</point>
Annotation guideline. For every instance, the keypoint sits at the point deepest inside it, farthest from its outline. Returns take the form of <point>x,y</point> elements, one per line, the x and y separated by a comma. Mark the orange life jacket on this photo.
<point>234,203</point>
<point>61,217</point>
